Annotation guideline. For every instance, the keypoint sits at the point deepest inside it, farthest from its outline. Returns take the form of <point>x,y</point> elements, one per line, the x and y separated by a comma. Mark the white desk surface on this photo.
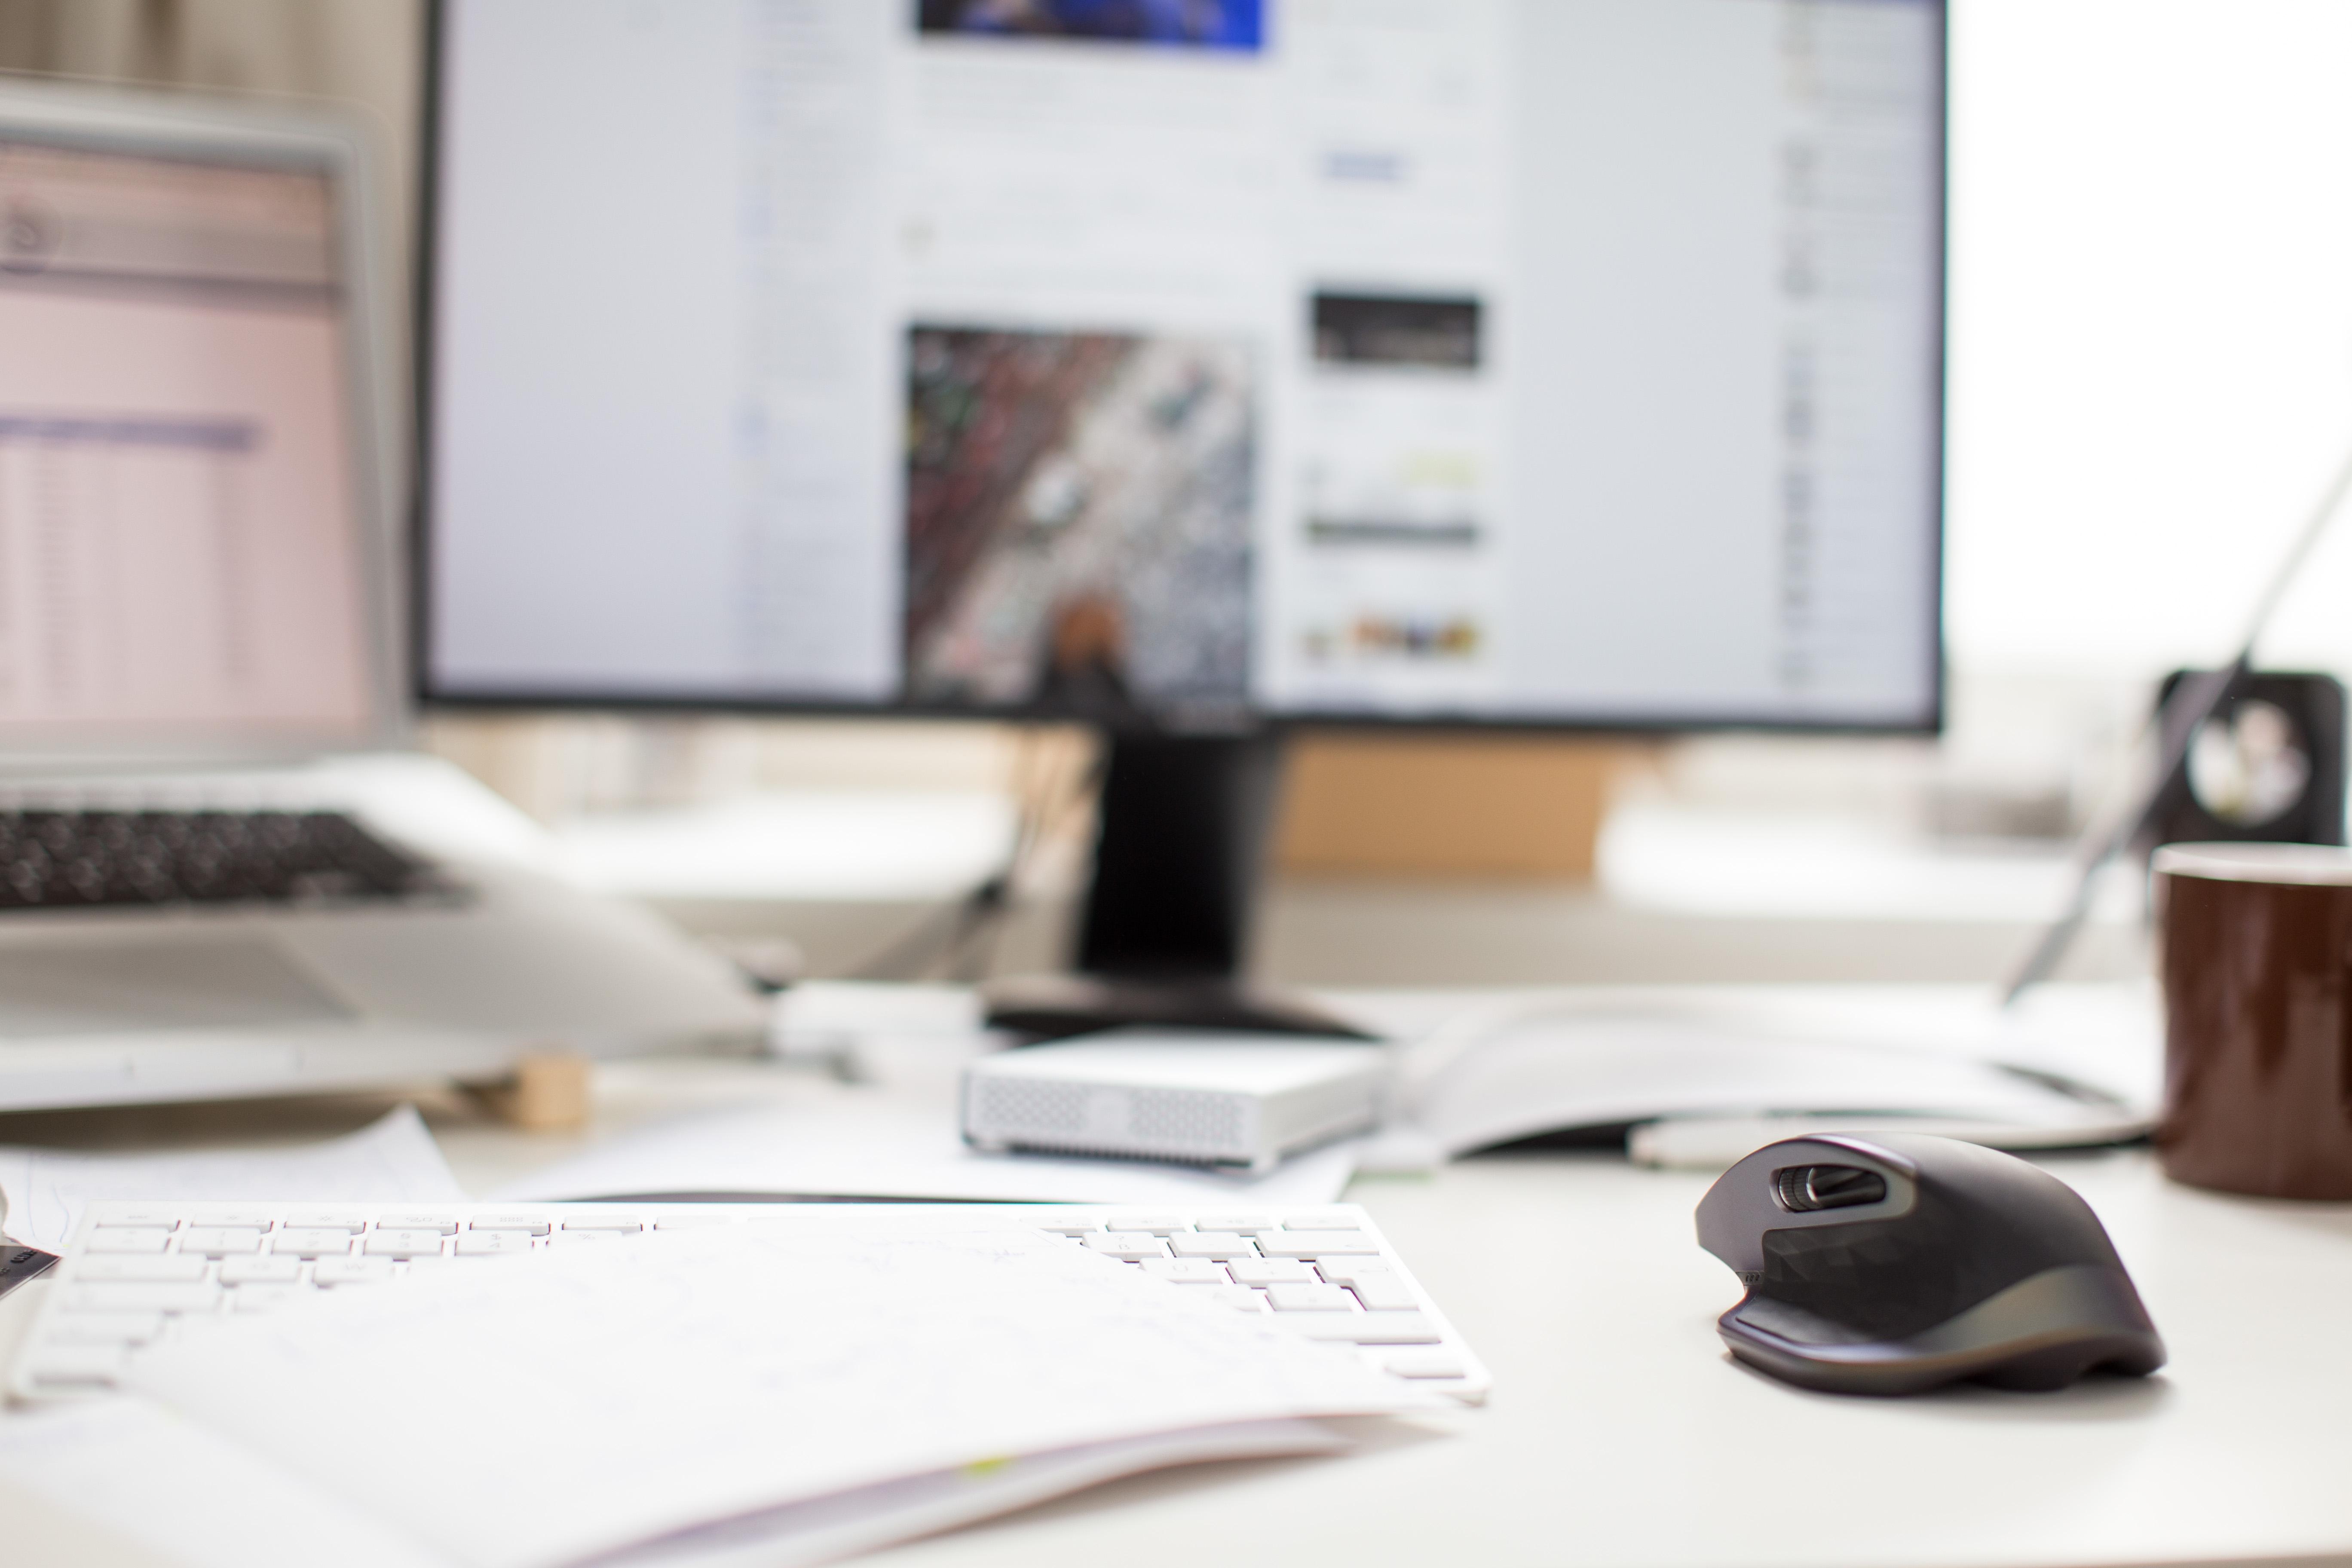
<point>1618,1432</point>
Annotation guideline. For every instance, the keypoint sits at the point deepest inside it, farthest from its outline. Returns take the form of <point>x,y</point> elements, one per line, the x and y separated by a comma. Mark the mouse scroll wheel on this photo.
<point>1802,1189</point>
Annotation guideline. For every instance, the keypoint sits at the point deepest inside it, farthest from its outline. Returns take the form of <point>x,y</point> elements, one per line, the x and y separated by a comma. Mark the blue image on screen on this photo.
<point>1193,24</point>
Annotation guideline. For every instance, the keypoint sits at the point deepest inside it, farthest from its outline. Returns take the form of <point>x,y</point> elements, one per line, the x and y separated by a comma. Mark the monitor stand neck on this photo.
<point>1182,828</point>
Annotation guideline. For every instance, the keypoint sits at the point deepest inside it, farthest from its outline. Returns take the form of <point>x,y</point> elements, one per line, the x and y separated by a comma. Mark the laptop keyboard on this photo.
<point>139,1274</point>
<point>76,859</point>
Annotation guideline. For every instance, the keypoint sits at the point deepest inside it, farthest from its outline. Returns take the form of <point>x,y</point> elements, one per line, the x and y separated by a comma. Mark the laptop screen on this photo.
<point>179,541</point>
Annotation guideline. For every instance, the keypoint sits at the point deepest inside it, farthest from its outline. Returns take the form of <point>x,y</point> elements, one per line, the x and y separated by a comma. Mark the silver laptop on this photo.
<point>220,873</point>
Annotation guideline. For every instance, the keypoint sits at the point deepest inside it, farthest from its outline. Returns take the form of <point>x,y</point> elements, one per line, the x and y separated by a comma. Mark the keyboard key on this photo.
<point>1366,1328</point>
<point>1184,1270</point>
<point>575,1238</point>
<point>352,1271</point>
<point>401,1243</point>
<point>349,1221</point>
<point>438,1224</point>
<point>77,1366</point>
<point>143,1239</point>
<point>492,1243</point>
<point>215,1217</point>
<point>1348,1270</point>
<point>624,1224</point>
<point>1426,1363</point>
<point>1071,1228</point>
<point>202,1297</point>
<point>1154,1224</point>
<point>306,1242</point>
<point>1241,1298</point>
<point>219,1241</point>
<point>1384,1293</point>
<point>106,1328</point>
<point>261,1270</point>
<point>1273,1272</point>
<point>525,1223</point>
<point>1246,1224</point>
<point>1217,1244</point>
<point>1128,1246</point>
<point>1315,1243</point>
<point>1309,1299</point>
<point>168,1269</point>
<point>121,1214</point>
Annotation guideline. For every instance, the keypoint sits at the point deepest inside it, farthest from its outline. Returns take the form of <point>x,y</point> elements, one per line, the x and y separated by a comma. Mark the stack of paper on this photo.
<point>751,1393</point>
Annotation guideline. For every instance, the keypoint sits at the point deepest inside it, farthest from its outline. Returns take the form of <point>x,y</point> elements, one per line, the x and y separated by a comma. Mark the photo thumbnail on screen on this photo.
<point>1194,23</point>
<point>1393,330</point>
<point>1079,520</point>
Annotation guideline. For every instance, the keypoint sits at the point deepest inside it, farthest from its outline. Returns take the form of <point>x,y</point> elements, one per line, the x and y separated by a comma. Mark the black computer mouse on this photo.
<point>1889,1263</point>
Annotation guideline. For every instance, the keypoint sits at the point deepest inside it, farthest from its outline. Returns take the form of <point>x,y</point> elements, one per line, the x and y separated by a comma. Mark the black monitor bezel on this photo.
<point>736,703</point>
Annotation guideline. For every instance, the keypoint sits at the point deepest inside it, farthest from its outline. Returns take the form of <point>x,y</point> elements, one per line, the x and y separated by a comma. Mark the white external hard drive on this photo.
<point>1207,1098</point>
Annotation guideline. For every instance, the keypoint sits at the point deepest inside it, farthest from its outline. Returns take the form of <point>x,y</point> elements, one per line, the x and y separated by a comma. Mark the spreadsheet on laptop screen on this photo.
<point>179,542</point>
<point>1550,360</point>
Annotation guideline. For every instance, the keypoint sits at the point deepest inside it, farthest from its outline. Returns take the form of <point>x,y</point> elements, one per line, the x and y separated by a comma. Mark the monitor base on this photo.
<point>1057,1006</point>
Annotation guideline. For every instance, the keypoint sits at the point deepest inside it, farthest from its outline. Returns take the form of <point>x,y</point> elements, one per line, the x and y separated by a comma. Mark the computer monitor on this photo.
<point>1189,366</point>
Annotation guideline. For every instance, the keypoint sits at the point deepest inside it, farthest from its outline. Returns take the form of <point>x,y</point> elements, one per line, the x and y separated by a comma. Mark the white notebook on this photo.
<point>533,1412</point>
<point>127,1472</point>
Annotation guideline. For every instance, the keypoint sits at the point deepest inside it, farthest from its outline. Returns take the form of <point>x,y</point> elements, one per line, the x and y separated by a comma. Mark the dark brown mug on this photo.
<point>2257,970</point>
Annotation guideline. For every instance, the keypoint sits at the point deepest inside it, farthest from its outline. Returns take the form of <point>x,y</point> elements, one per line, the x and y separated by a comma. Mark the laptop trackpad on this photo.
<point>214,984</point>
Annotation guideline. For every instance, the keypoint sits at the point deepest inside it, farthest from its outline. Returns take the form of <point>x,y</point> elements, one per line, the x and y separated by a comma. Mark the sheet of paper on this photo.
<point>530,1412</point>
<point>131,1471</point>
<point>394,1160</point>
<point>136,1472</point>
<point>864,1143</point>
<point>871,1517</point>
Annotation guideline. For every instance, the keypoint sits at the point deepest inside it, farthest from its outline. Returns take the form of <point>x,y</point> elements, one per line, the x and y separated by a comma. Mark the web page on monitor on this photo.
<point>1421,358</point>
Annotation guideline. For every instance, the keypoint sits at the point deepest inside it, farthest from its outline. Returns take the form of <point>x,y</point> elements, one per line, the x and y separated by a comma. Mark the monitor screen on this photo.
<point>1548,362</point>
<point>179,539</point>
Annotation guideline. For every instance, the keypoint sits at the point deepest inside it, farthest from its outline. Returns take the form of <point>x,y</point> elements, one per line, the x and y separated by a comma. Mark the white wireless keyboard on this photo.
<point>141,1274</point>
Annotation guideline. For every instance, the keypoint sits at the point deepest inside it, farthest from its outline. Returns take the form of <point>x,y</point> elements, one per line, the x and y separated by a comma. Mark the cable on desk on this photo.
<point>962,938</point>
